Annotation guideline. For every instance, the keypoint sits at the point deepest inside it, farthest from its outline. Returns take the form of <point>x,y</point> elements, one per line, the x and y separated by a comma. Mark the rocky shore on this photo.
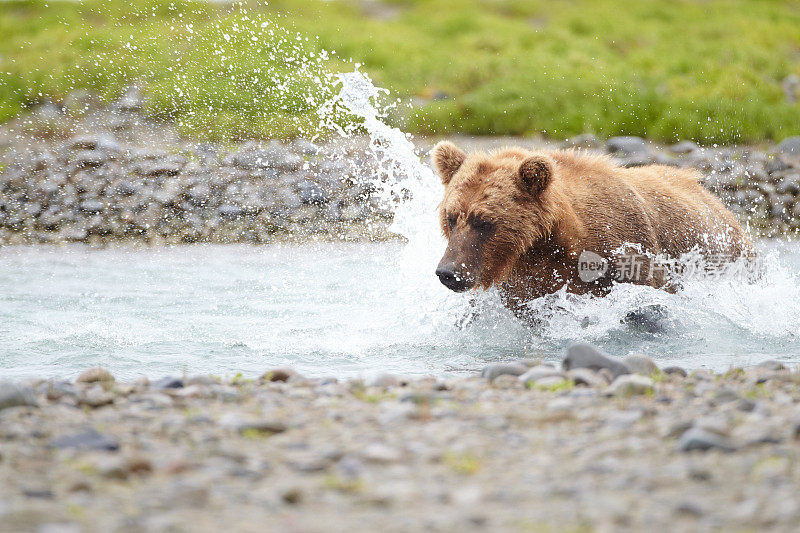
<point>86,172</point>
<point>593,443</point>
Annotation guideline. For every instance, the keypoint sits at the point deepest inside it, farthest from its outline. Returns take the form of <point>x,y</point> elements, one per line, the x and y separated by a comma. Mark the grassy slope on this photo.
<point>703,69</point>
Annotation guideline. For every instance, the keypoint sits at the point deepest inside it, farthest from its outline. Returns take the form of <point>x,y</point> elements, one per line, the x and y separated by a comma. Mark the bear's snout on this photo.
<point>453,278</point>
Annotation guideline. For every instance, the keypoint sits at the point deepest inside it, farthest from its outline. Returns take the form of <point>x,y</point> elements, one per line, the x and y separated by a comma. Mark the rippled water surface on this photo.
<point>334,309</point>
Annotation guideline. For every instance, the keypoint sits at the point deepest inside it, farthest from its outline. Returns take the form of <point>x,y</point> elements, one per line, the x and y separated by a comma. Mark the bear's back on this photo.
<point>659,206</point>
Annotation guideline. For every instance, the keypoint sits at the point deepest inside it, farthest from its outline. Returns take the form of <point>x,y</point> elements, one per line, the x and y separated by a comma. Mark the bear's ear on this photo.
<point>535,174</point>
<point>447,158</point>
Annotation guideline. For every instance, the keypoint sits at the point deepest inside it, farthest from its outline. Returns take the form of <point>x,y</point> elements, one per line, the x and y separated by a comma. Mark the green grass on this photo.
<point>709,70</point>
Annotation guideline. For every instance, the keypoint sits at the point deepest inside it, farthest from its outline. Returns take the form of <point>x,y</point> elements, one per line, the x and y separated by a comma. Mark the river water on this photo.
<point>346,309</point>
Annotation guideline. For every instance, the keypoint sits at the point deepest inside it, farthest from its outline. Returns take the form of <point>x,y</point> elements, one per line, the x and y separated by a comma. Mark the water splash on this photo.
<point>722,319</point>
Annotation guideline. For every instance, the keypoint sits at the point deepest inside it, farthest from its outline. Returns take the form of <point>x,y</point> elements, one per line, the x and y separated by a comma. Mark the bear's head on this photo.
<point>495,207</point>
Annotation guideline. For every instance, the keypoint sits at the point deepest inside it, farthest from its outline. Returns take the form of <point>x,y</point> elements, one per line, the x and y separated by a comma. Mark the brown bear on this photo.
<point>531,223</point>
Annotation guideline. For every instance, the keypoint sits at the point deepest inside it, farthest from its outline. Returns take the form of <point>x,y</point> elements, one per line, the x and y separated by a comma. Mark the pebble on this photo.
<point>794,430</point>
<point>311,193</point>
<point>587,377</point>
<point>586,141</point>
<point>506,381</point>
<point>201,380</point>
<point>726,394</point>
<point>96,397</point>
<point>771,364</point>
<point>279,374</point>
<point>94,375</point>
<point>167,382</point>
<point>548,382</point>
<point>539,372</point>
<point>675,371</point>
<point>684,147</point>
<point>640,364</point>
<point>378,452</point>
<point>88,439</point>
<point>581,355</point>
<point>493,371</point>
<point>230,211</point>
<point>384,381</point>
<point>630,385</point>
<point>262,427</point>
<point>696,438</point>
<point>626,145</point>
<point>57,390</point>
<point>746,405</point>
<point>16,395</point>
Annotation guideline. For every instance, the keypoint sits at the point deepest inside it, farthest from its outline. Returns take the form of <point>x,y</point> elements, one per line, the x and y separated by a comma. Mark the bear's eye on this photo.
<point>451,221</point>
<point>483,225</point>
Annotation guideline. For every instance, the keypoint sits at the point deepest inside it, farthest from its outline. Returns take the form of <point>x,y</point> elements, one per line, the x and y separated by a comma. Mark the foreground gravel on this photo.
<point>523,447</point>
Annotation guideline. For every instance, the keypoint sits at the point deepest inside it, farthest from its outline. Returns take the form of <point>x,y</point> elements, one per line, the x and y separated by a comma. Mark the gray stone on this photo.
<point>201,380</point>
<point>726,394</point>
<point>637,160</point>
<point>771,364</point>
<point>794,430</point>
<point>264,427</point>
<point>311,193</point>
<point>675,370</point>
<point>696,438</point>
<point>229,211</point>
<point>648,318</point>
<point>789,185</point>
<point>305,147</point>
<point>586,141</point>
<point>57,390</point>
<point>746,405</point>
<point>684,147</point>
<point>630,385</point>
<point>494,370</point>
<point>92,206</point>
<point>377,452</point>
<point>540,372</point>
<point>640,364</point>
<point>199,195</point>
<point>171,166</point>
<point>626,145</point>
<point>16,395</point>
<point>96,397</point>
<point>582,355</point>
<point>547,382</point>
<point>88,439</point>
<point>790,146</point>
<point>93,142</point>
<point>274,155</point>
<point>689,508</point>
<point>776,164</point>
<point>384,380</point>
<point>126,188</point>
<point>587,377</point>
<point>88,159</point>
<point>168,382</point>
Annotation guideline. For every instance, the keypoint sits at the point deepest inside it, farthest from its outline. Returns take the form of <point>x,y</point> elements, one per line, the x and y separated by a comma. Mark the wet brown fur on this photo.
<point>589,203</point>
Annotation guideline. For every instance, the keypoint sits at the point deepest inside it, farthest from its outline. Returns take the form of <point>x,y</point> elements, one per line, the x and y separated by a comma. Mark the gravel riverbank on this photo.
<point>85,172</point>
<point>584,446</point>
